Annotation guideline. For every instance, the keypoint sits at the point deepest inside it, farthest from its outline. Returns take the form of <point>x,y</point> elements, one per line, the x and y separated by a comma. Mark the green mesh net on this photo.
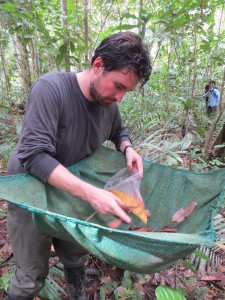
<point>164,189</point>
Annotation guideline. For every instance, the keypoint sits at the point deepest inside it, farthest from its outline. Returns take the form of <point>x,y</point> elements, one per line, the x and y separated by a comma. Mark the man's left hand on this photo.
<point>134,161</point>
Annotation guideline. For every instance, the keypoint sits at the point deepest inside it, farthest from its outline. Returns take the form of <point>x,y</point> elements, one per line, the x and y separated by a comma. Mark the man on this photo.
<point>213,96</point>
<point>68,117</point>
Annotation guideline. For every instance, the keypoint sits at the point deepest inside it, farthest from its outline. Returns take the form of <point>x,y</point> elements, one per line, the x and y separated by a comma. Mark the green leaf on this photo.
<point>202,131</point>
<point>59,58</point>
<point>167,293</point>
<point>125,27</point>
<point>188,103</point>
<point>18,128</point>
<point>63,48</point>
<point>4,282</point>
<point>202,255</point>
<point>218,146</point>
<point>5,107</point>
<point>219,59</point>
<point>171,161</point>
<point>129,16</point>
<point>8,7</point>
<point>193,152</point>
<point>190,267</point>
<point>28,36</point>
<point>185,102</point>
<point>187,141</point>
<point>102,293</point>
<point>127,274</point>
<point>72,47</point>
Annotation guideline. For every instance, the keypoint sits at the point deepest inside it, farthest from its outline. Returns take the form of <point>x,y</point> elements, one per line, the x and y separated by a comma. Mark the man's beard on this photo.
<point>98,99</point>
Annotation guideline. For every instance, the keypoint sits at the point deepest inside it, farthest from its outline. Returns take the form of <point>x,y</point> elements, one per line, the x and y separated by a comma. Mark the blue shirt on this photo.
<point>214,97</point>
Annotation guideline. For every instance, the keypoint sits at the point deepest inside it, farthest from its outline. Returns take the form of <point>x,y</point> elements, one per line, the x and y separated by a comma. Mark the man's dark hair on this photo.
<point>125,49</point>
<point>212,81</point>
<point>206,88</point>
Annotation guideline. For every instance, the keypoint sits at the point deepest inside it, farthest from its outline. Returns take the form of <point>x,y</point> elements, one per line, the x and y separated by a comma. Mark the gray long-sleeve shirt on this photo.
<point>62,126</point>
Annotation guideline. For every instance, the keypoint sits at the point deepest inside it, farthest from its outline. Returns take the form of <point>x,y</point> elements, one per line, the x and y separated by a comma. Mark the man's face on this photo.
<point>212,85</point>
<point>109,87</point>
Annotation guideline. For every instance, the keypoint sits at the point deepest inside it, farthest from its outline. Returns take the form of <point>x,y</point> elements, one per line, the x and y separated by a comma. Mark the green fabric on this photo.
<point>164,190</point>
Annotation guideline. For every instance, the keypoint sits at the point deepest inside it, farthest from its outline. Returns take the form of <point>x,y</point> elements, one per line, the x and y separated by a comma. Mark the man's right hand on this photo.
<point>102,201</point>
<point>107,203</point>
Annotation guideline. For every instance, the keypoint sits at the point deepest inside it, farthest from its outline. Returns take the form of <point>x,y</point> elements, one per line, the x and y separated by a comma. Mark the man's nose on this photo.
<point>119,96</point>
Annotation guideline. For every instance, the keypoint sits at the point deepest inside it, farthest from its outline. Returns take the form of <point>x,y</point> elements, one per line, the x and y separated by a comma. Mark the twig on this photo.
<point>90,216</point>
<point>219,114</point>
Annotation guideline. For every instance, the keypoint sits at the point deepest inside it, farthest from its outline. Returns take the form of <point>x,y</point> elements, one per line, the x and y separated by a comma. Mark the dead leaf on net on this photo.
<point>139,229</point>
<point>167,229</point>
<point>138,149</point>
<point>132,201</point>
<point>115,223</point>
<point>148,229</point>
<point>142,229</point>
<point>133,227</point>
<point>183,213</point>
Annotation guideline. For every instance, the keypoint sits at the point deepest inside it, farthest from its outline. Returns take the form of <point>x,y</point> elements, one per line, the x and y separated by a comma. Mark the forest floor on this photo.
<point>103,279</point>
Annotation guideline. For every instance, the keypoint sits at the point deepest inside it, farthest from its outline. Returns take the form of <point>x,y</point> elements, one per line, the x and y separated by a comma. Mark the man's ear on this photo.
<point>98,65</point>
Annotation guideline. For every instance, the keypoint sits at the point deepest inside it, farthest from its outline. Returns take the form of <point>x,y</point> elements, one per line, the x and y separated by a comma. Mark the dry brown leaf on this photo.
<point>115,223</point>
<point>139,287</point>
<point>92,290</point>
<point>5,271</point>
<point>167,229</point>
<point>121,290</point>
<point>96,297</point>
<point>132,201</point>
<point>133,227</point>
<point>105,279</point>
<point>220,245</point>
<point>202,272</point>
<point>222,278</point>
<point>4,249</point>
<point>142,229</point>
<point>138,149</point>
<point>183,213</point>
<point>209,278</point>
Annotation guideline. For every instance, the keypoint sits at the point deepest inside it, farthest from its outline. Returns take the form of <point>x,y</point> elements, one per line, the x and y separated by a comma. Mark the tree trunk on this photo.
<point>34,67</point>
<point>75,28</point>
<point>65,26</point>
<point>220,139</point>
<point>86,31</point>
<point>7,81</point>
<point>36,50</point>
<point>23,63</point>
<point>167,85</point>
<point>140,8</point>
<point>219,114</point>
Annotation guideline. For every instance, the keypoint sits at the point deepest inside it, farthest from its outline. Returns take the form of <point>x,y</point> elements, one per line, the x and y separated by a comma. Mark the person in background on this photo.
<point>68,117</point>
<point>207,97</point>
<point>212,97</point>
